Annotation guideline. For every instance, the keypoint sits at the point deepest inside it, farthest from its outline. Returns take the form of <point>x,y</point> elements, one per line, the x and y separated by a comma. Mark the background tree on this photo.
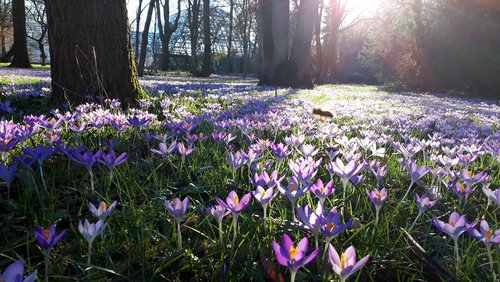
<point>90,50</point>
<point>193,15</point>
<point>5,28</point>
<point>145,38</point>
<point>286,69</point>
<point>230,36</point>
<point>207,43</point>
<point>166,30</point>
<point>37,26</point>
<point>20,57</point>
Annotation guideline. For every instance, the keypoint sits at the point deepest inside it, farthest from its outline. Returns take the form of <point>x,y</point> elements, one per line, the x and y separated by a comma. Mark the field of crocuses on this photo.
<point>221,180</point>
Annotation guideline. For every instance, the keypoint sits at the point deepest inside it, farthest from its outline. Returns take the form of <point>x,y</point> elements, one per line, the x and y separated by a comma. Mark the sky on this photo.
<point>360,6</point>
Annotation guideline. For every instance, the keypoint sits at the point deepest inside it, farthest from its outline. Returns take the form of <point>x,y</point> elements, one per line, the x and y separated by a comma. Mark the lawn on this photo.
<point>390,174</point>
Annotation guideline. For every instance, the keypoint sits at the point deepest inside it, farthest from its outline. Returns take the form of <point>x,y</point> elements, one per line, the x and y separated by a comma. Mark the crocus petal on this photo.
<point>14,272</point>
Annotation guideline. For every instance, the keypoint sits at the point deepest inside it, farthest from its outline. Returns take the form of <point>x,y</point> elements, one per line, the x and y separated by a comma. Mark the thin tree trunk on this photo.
<point>230,37</point>
<point>20,49</point>
<point>138,28</point>
<point>145,38</point>
<point>319,47</point>
<point>193,20</point>
<point>90,50</point>
<point>207,43</point>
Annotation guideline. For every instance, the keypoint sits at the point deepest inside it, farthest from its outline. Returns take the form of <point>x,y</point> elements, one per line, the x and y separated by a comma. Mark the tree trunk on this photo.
<point>137,28</point>
<point>423,76</point>
<point>207,43</point>
<point>193,22</point>
<point>335,15</point>
<point>301,50</point>
<point>145,38</point>
<point>319,48</point>
<point>166,32</point>
<point>91,53</point>
<point>281,40</point>
<point>230,37</point>
<point>267,44</point>
<point>20,49</point>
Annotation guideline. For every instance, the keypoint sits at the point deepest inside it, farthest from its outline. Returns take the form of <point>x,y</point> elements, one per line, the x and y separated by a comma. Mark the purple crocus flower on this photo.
<point>424,202</point>
<point>345,265</point>
<point>15,272</point>
<point>292,191</point>
<point>311,219</point>
<point>304,169</point>
<point>236,160</point>
<point>87,159</point>
<point>378,198</point>
<point>457,224</point>
<point>39,153</point>
<point>280,150</point>
<point>265,179</point>
<point>165,151</point>
<point>331,225</point>
<point>110,159</point>
<point>291,256</point>
<point>459,189</point>
<point>234,204</point>
<point>485,234</point>
<point>183,151</point>
<point>103,211</point>
<point>494,196</point>
<point>219,212</point>
<point>472,179</point>
<point>8,173</point>
<point>47,238</point>
<point>90,231</point>
<point>264,197</point>
<point>323,191</point>
<point>345,172</point>
<point>416,172</point>
<point>177,208</point>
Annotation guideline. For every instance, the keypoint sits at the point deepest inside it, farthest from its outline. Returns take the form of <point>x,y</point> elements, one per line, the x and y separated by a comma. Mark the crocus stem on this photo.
<point>492,264</point>
<point>92,186</point>
<point>415,221</point>
<point>292,276</point>
<point>328,240</point>
<point>47,266</point>
<point>405,195</point>
<point>43,179</point>
<point>377,210</point>
<point>89,254</point>
<point>220,232</point>
<point>179,237</point>
<point>235,226</point>
<point>457,257</point>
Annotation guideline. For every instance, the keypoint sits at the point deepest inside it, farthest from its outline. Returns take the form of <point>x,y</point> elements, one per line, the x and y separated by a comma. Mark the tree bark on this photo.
<point>138,28</point>
<point>91,53</point>
<point>145,38</point>
<point>301,50</point>
<point>20,48</point>
<point>267,44</point>
<point>207,43</point>
<point>281,40</point>
<point>193,24</point>
<point>230,37</point>
<point>319,48</point>
<point>166,30</point>
<point>335,15</point>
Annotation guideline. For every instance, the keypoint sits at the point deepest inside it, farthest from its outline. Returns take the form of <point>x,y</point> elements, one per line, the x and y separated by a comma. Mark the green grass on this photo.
<point>140,243</point>
<point>35,66</point>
